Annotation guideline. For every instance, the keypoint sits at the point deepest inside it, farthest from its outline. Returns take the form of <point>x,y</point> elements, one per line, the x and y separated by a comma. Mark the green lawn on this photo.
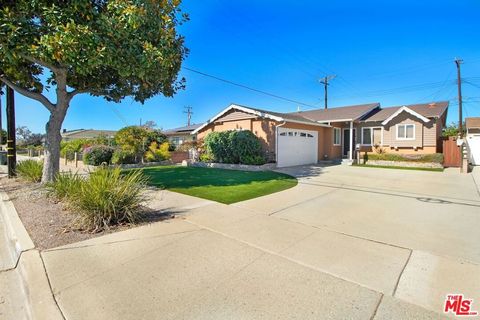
<point>225,186</point>
<point>400,168</point>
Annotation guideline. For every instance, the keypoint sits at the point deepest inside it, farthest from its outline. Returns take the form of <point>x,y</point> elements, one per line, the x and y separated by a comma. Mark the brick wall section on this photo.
<point>179,156</point>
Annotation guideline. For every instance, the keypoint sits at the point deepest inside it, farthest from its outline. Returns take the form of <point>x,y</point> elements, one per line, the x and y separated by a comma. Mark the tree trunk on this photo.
<point>51,164</point>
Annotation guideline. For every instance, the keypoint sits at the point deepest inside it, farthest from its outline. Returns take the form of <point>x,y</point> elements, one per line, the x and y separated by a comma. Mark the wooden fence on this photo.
<point>451,153</point>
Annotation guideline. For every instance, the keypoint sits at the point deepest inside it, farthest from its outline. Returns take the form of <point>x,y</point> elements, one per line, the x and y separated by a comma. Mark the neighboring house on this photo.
<point>309,136</point>
<point>86,134</point>
<point>472,126</point>
<point>180,135</point>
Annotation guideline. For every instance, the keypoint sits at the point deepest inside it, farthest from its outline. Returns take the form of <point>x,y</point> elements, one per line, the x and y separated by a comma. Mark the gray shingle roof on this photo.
<point>429,110</point>
<point>184,129</point>
<point>338,113</point>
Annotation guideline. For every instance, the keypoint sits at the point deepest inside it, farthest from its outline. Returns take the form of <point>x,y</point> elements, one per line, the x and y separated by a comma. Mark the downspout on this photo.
<point>276,140</point>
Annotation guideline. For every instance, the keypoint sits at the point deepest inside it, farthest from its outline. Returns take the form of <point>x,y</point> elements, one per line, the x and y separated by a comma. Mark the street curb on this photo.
<point>34,285</point>
<point>18,239</point>
<point>39,297</point>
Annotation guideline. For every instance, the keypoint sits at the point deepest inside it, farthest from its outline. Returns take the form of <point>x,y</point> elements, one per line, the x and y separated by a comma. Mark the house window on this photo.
<point>372,136</point>
<point>336,136</point>
<point>367,136</point>
<point>405,132</point>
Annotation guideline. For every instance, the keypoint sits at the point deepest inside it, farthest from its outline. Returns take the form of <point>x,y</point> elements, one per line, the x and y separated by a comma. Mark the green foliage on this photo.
<point>137,140</point>
<point>187,145</point>
<point>25,137</point>
<point>68,148</point>
<point>206,157</point>
<point>157,152</point>
<point>30,170</point>
<point>65,185</point>
<point>123,157</point>
<point>110,48</point>
<point>105,198</point>
<point>97,155</point>
<point>452,130</point>
<point>434,157</point>
<point>234,147</point>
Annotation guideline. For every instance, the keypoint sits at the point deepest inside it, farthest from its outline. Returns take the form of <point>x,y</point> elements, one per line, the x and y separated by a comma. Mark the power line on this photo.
<point>249,88</point>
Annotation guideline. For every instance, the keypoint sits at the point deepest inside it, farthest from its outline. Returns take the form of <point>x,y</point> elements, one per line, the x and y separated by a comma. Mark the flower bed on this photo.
<point>409,164</point>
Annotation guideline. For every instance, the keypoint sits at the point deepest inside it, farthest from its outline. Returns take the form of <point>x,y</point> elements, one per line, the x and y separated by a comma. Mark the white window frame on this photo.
<point>371,136</point>
<point>339,130</point>
<point>405,125</point>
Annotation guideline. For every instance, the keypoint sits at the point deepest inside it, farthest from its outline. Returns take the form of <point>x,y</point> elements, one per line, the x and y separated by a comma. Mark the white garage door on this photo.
<point>296,147</point>
<point>473,141</point>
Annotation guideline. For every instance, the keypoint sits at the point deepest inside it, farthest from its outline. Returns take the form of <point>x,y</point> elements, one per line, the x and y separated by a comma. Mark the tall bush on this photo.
<point>30,170</point>
<point>157,152</point>
<point>97,155</point>
<point>234,147</point>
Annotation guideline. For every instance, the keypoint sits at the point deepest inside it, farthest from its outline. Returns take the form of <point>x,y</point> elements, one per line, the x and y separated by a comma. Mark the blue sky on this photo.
<point>392,52</point>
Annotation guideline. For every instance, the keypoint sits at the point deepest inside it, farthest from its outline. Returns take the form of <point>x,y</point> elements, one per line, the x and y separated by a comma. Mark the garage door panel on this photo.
<point>296,147</point>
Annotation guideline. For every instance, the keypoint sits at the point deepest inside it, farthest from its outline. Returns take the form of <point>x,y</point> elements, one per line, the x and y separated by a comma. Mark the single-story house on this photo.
<point>69,135</point>
<point>309,136</point>
<point>177,136</point>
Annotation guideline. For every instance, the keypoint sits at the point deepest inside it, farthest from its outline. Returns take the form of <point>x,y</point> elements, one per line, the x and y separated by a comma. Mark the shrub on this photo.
<point>434,157</point>
<point>105,198</point>
<point>68,148</point>
<point>30,170</point>
<point>65,185</point>
<point>157,152</point>
<point>123,157</point>
<point>108,197</point>
<point>234,147</point>
<point>206,157</point>
<point>98,154</point>
<point>186,146</point>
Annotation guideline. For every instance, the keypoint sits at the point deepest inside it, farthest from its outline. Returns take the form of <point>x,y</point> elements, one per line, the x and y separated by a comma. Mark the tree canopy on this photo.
<point>109,48</point>
<point>113,48</point>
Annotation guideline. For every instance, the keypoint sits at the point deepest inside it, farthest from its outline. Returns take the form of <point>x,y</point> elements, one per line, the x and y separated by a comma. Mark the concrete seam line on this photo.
<point>397,193</point>
<point>50,286</point>
<point>306,265</point>
<point>304,201</point>
<point>345,234</point>
<point>401,273</point>
<point>115,242</point>
<point>376,308</point>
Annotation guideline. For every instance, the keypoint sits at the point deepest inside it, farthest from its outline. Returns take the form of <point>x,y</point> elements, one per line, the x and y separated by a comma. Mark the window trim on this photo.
<point>405,125</point>
<point>371,136</point>
<point>339,130</point>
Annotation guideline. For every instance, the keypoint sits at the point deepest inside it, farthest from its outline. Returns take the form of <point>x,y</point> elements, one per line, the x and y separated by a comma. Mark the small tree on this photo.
<point>452,130</point>
<point>109,48</point>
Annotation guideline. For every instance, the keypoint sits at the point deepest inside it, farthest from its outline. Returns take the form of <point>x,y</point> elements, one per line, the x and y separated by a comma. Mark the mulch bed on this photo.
<point>48,223</point>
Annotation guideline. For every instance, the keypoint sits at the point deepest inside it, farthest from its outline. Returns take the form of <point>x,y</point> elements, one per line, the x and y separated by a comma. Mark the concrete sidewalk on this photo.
<point>331,248</point>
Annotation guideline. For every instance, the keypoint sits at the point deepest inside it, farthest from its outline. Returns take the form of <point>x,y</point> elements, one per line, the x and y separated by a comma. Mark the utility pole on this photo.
<point>11,148</point>
<point>189,112</point>
<point>325,83</point>
<point>458,62</point>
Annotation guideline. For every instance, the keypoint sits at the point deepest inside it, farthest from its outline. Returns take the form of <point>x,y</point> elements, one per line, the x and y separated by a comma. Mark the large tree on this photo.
<point>109,48</point>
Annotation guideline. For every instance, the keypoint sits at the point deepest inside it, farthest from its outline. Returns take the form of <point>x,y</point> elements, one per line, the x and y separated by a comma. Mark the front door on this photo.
<point>346,141</point>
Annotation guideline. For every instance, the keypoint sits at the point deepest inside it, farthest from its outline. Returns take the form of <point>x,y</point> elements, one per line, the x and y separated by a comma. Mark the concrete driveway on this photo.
<point>346,243</point>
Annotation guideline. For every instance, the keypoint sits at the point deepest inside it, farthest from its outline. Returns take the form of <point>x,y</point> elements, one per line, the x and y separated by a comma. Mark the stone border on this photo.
<point>229,166</point>
<point>409,164</point>
<point>39,300</point>
<point>143,165</point>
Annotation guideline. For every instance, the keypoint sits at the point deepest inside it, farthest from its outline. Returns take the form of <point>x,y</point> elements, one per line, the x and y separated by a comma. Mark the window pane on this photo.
<point>336,136</point>
<point>410,131</point>
<point>377,136</point>
<point>401,132</point>
<point>367,136</point>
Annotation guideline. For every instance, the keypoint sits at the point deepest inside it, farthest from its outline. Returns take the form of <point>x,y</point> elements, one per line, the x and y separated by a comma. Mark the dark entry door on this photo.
<point>346,141</point>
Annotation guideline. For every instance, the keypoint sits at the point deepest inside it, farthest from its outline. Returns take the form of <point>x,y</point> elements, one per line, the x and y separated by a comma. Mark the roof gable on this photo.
<point>407,110</point>
<point>275,116</point>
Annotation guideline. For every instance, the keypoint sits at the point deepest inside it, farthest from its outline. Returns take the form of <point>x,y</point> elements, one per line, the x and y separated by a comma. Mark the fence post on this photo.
<point>75,155</point>
<point>66,157</point>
